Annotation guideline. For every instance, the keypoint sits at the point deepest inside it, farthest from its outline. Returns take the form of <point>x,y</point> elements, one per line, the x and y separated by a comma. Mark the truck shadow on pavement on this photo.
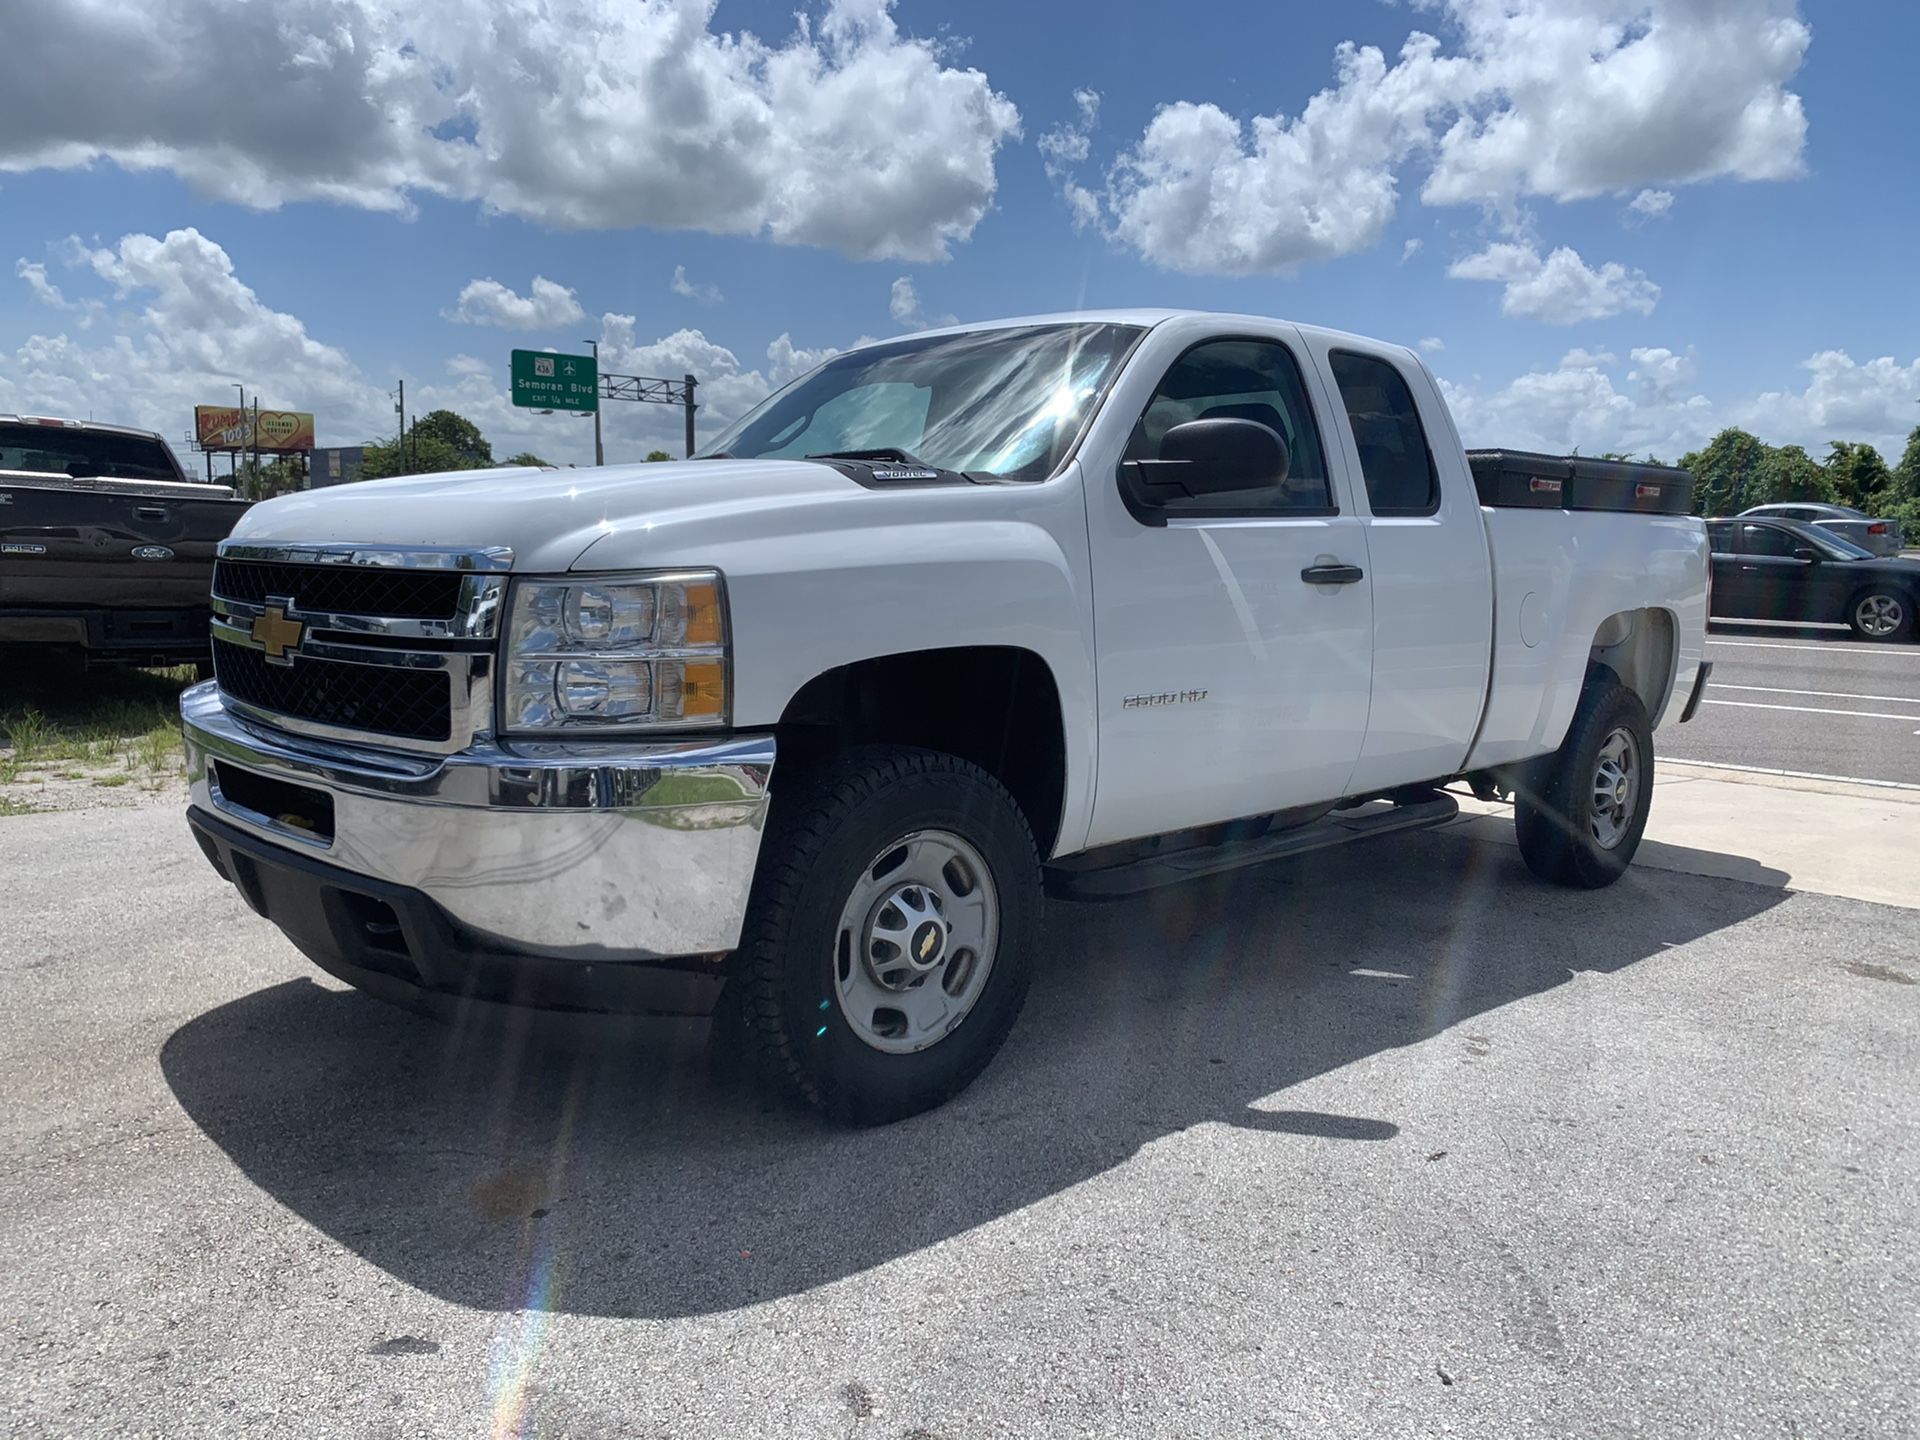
<point>590,1174</point>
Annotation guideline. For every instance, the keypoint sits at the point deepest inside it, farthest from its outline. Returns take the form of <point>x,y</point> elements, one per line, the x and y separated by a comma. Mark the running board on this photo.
<point>1376,817</point>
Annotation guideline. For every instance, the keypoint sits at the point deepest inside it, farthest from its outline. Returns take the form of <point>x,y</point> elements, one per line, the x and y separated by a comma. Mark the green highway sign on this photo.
<point>543,380</point>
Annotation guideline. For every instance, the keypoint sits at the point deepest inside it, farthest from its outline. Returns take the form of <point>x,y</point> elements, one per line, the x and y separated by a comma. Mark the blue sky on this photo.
<point>339,213</point>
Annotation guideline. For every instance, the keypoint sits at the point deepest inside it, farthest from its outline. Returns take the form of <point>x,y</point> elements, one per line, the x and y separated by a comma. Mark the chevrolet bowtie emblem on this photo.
<point>279,636</point>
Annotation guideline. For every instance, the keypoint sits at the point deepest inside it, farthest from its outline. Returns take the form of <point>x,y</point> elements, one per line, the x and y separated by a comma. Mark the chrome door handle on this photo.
<point>1333,575</point>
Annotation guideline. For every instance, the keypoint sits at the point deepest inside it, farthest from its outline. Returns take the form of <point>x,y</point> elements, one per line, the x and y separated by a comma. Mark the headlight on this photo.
<point>633,653</point>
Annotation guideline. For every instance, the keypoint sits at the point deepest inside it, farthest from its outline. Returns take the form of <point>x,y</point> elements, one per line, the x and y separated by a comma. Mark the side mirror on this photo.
<point>1805,552</point>
<point>1213,457</point>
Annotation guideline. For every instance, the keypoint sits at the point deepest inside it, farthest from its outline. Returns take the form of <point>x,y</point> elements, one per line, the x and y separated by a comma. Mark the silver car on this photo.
<point>1880,537</point>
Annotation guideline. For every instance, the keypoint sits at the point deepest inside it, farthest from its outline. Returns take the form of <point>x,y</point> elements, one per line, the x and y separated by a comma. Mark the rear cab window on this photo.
<point>73,450</point>
<point>1396,460</point>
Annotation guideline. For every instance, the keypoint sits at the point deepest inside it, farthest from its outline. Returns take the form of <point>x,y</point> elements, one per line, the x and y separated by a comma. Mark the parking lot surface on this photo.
<point>1389,1141</point>
<point>1805,699</point>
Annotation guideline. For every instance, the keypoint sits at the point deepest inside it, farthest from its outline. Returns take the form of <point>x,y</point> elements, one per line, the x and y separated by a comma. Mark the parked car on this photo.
<point>106,548</point>
<point>1876,537</point>
<point>1084,604</point>
<point>1768,569</point>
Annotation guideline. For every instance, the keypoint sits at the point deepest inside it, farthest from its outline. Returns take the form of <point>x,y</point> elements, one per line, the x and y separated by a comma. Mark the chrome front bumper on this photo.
<point>590,850</point>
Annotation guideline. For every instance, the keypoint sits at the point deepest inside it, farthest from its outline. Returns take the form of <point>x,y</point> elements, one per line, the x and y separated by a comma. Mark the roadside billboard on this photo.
<point>228,427</point>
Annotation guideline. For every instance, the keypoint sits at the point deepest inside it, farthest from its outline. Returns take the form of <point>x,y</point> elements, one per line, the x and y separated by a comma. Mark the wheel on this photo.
<point>1580,819</point>
<point>1880,614</point>
<point>888,943</point>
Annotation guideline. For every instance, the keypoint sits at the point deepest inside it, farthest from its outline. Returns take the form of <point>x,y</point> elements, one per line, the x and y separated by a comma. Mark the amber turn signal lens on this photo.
<point>703,690</point>
<point>703,613</point>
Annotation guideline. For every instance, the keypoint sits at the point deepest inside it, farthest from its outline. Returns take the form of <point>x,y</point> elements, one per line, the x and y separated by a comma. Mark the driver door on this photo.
<point>1230,681</point>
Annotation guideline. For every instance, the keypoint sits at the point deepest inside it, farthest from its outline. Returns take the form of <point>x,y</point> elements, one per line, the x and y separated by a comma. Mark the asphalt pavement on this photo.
<point>1807,700</point>
<point>1389,1141</point>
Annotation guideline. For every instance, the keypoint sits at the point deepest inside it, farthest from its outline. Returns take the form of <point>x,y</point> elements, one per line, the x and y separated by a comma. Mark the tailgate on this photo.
<point>94,549</point>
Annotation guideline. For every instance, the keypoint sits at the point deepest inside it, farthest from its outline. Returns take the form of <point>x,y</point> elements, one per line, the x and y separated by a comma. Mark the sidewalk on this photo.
<point>1861,842</point>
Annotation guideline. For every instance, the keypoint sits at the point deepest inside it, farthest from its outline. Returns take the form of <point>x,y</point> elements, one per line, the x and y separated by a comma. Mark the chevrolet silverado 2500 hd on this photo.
<point>1081,605</point>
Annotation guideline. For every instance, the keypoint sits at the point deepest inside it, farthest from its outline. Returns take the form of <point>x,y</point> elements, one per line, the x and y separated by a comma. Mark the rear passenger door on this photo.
<point>1428,559</point>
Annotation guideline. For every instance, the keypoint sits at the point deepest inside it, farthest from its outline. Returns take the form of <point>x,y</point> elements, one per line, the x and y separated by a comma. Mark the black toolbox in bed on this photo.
<point>1573,482</point>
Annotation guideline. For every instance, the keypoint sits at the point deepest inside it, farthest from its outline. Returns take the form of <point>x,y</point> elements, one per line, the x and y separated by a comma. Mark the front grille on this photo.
<point>380,699</point>
<point>342,589</point>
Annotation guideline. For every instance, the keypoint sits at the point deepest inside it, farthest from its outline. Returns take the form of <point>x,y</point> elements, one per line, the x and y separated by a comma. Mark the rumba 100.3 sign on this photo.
<point>543,380</point>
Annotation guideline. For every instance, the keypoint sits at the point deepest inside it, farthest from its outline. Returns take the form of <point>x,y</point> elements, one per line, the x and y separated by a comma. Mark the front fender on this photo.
<point>896,573</point>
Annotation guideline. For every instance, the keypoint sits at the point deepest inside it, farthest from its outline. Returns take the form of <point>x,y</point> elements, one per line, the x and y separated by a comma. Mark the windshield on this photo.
<point>57,450</point>
<point>1007,403</point>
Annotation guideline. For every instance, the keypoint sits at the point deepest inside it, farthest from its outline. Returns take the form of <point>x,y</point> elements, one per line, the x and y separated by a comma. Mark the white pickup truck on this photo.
<point>1081,604</point>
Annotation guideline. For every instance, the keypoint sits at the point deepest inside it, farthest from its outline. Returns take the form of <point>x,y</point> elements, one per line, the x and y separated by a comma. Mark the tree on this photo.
<point>1860,477</point>
<point>527,457</point>
<point>439,440</point>
<point>1726,472</point>
<point>658,455</point>
<point>1789,473</point>
<point>1906,475</point>
<point>261,479</point>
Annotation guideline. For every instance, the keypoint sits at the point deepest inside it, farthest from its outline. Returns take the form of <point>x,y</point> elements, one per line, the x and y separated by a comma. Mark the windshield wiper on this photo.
<point>892,453</point>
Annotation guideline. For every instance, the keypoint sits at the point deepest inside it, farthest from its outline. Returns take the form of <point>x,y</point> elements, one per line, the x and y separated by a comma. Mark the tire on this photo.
<point>1565,835</point>
<point>889,840</point>
<point>1881,613</point>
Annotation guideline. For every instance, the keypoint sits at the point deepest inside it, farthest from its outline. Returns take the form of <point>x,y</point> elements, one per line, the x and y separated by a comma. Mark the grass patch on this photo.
<point>11,806</point>
<point>92,718</point>
<point>113,782</point>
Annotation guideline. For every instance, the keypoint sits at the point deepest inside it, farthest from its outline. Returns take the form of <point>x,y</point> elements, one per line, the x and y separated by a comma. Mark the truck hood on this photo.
<point>547,517</point>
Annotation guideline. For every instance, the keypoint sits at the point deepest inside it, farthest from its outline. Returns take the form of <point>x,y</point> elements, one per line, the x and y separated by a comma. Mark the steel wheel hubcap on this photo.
<point>1616,787</point>
<point>1879,614</point>
<point>916,941</point>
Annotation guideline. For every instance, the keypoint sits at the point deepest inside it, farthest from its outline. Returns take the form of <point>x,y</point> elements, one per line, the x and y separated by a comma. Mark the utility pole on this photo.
<point>599,449</point>
<point>691,382</point>
<point>233,455</point>
<point>255,437</point>
<point>400,440</point>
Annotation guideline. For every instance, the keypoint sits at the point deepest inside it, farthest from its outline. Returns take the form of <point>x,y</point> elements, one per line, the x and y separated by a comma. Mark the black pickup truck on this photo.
<point>106,548</point>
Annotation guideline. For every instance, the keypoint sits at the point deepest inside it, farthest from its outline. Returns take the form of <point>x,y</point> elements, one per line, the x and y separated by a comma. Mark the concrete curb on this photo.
<point>1828,837</point>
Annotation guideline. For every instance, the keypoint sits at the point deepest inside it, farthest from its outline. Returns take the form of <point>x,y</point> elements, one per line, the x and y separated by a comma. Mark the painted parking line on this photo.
<point>1884,651</point>
<point>1821,694</point>
<point>1812,710</point>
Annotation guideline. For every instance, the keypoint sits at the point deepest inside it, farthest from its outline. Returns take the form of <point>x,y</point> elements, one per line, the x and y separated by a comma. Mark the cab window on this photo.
<point>1395,459</point>
<point>1255,380</point>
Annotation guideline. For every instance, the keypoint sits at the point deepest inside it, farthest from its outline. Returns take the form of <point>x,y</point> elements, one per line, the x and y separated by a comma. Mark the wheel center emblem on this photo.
<point>926,943</point>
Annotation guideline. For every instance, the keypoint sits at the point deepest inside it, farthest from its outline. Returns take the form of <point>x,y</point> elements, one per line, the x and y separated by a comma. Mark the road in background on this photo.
<point>1807,700</point>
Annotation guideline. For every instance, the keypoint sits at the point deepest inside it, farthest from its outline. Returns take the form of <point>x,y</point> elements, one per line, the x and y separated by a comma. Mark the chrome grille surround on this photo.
<point>459,645</point>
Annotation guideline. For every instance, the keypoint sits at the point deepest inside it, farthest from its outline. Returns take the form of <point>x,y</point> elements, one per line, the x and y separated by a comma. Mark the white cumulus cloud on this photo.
<point>1651,204</point>
<point>185,327</point>
<point>547,306</point>
<point>903,304</point>
<point>580,113</point>
<point>1561,289</point>
<point>705,293</point>
<point>1560,99</point>
<point>1433,345</point>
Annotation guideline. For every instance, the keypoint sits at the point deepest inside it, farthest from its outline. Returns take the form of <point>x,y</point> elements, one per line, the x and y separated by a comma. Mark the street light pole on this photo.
<point>599,448</point>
